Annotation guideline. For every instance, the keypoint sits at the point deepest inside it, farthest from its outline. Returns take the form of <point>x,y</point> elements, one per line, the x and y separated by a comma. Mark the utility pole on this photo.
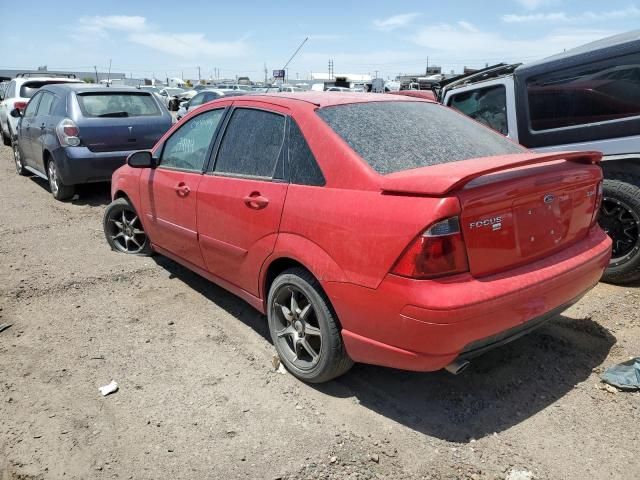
<point>426,73</point>
<point>109,75</point>
<point>376,73</point>
<point>96,69</point>
<point>199,77</point>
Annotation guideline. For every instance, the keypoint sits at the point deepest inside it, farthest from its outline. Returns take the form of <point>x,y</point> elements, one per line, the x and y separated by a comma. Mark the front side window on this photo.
<point>197,100</point>
<point>32,106</point>
<point>486,105</point>
<point>11,90</point>
<point>187,148</point>
<point>597,92</point>
<point>394,136</point>
<point>252,144</point>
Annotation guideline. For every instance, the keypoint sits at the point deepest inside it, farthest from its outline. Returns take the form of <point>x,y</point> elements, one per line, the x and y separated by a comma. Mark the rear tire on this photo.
<point>620,218</point>
<point>17,158</point>
<point>304,328</point>
<point>59,190</point>
<point>6,139</point>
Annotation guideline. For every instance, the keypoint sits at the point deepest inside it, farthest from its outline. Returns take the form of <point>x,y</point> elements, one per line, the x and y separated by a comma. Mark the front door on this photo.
<point>42,126</point>
<point>29,131</point>
<point>168,193</point>
<point>240,200</point>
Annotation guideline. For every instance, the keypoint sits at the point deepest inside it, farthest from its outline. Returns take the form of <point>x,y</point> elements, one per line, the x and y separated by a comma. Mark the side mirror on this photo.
<point>141,159</point>
<point>16,113</point>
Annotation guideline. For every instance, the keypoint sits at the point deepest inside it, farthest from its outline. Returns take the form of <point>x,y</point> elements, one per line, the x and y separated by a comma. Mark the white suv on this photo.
<point>17,95</point>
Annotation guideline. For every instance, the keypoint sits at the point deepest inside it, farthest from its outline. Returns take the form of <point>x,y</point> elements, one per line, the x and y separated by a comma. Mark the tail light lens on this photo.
<point>598,204</point>
<point>20,105</point>
<point>68,133</point>
<point>438,251</point>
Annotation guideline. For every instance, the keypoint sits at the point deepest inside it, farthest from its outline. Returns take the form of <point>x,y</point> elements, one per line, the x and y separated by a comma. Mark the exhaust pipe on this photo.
<point>457,366</point>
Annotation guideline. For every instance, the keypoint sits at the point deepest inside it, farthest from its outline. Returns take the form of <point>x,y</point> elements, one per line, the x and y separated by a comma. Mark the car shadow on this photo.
<point>90,194</point>
<point>499,390</point>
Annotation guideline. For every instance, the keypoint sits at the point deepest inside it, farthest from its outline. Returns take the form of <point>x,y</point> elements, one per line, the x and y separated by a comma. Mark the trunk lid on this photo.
<point>123,133</point>
<point>515,209</point>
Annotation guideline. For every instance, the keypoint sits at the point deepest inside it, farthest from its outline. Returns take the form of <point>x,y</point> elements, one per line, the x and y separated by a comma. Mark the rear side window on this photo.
<point>117,104</point>
<point>486,105</point>
<point>46,104</point>
<point>303,168</point>
<point>591,93</point>
<point>396,136</point>
<point>252,144</point>
<point>28,89</point>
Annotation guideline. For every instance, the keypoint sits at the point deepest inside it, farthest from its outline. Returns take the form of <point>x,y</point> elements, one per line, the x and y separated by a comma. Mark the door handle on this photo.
<point>182,189</point>
<point>43,126</point>
<point>256,201</point>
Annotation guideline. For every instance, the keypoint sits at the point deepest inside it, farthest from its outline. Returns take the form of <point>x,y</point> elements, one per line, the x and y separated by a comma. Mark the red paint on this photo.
<point>351,233</point>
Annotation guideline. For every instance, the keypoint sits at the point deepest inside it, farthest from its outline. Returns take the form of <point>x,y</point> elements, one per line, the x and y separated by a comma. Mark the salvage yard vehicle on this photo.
<point>171,97</point>
<point>416,252</point>
<point>78,133</point>
<point>587,98</point>
<point>18,93</point>
<point>203,97</point>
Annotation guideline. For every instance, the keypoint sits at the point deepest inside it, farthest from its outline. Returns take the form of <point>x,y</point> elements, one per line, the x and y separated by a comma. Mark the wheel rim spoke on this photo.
<point>286,331</point>
<point>311,330</point>
<point>305,344</point>
<point>133,240</point>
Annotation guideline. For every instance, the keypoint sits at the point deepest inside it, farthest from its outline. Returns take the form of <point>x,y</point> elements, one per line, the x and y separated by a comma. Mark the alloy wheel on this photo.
<point>124,228</point>
<point>298,331</point>
<point>622,224</point>
<point>16,157</point>
<point>53,177</point>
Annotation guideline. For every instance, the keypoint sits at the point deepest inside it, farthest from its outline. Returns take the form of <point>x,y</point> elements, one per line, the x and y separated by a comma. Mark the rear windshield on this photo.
<point>29,88</point>
<point>117,104</point>
<point>397,136</point>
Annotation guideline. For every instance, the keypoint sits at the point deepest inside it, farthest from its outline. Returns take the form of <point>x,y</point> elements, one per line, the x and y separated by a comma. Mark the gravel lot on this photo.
<point>199,397</point>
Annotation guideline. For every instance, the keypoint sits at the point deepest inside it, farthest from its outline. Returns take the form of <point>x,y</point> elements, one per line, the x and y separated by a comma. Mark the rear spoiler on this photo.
<point>438,180</point>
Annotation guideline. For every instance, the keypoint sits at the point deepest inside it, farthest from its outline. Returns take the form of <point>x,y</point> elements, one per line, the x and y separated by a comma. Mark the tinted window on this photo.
<point>46,104</point>
<point>486,105</point>
<point>587,94</point>
<point>396,136</point>
<point>28,89</point>
<point>252,143</point>
<point>188,146</point>
<point>32,107</point>
<point>303,167</point>
<point>105,104</point>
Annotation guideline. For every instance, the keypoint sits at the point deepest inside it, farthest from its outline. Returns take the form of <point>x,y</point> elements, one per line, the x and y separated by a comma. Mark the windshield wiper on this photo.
<point>114,114</point>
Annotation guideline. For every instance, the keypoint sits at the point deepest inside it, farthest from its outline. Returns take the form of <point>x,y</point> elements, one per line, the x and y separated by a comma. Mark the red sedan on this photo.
<point>369,228</point>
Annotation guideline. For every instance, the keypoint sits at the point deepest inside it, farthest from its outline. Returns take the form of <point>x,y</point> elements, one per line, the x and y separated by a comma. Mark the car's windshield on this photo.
<point>117,104</point>
<point>396,136</point>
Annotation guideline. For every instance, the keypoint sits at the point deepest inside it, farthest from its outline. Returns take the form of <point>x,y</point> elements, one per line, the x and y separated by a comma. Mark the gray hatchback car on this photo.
<point>76,133</point>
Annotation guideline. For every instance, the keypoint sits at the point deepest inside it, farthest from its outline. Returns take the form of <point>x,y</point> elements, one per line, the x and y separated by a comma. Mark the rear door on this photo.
<point>241,197</point>
<point>168,193</point>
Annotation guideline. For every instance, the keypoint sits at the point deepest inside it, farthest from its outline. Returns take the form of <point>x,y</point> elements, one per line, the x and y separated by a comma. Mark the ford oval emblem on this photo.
<point>548,198</point>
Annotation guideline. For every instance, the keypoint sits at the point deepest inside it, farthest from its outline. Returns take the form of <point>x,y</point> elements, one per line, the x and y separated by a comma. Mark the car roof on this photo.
<point>89,87</point>
<point>605,48</point>
<point>327,99</point>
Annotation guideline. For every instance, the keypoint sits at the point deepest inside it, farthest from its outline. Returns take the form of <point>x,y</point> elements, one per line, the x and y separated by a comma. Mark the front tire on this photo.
<point>123,229</point>
<point>620,219</point>
<point>304,328</point>
<point>59,190</point>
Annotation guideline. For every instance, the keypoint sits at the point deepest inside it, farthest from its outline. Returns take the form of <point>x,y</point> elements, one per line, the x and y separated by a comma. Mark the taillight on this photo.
<point>598,204</point>
<point>68,133</point>
<point>438,251</point>
<point>20,105</point>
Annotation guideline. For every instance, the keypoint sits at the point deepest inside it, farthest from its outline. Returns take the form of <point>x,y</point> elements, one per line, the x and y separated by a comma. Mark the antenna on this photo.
<point>292,56</point>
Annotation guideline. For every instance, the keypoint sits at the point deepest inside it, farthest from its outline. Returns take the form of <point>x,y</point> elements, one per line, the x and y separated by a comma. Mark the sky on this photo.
<point>147,39</point>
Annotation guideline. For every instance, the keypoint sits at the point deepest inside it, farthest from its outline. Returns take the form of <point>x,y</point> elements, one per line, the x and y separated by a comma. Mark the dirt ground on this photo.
<point>199,397</point>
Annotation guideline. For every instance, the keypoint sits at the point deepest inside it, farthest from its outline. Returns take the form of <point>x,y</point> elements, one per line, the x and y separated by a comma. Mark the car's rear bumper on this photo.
<point>81,165</point>
<point>426,324</point>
